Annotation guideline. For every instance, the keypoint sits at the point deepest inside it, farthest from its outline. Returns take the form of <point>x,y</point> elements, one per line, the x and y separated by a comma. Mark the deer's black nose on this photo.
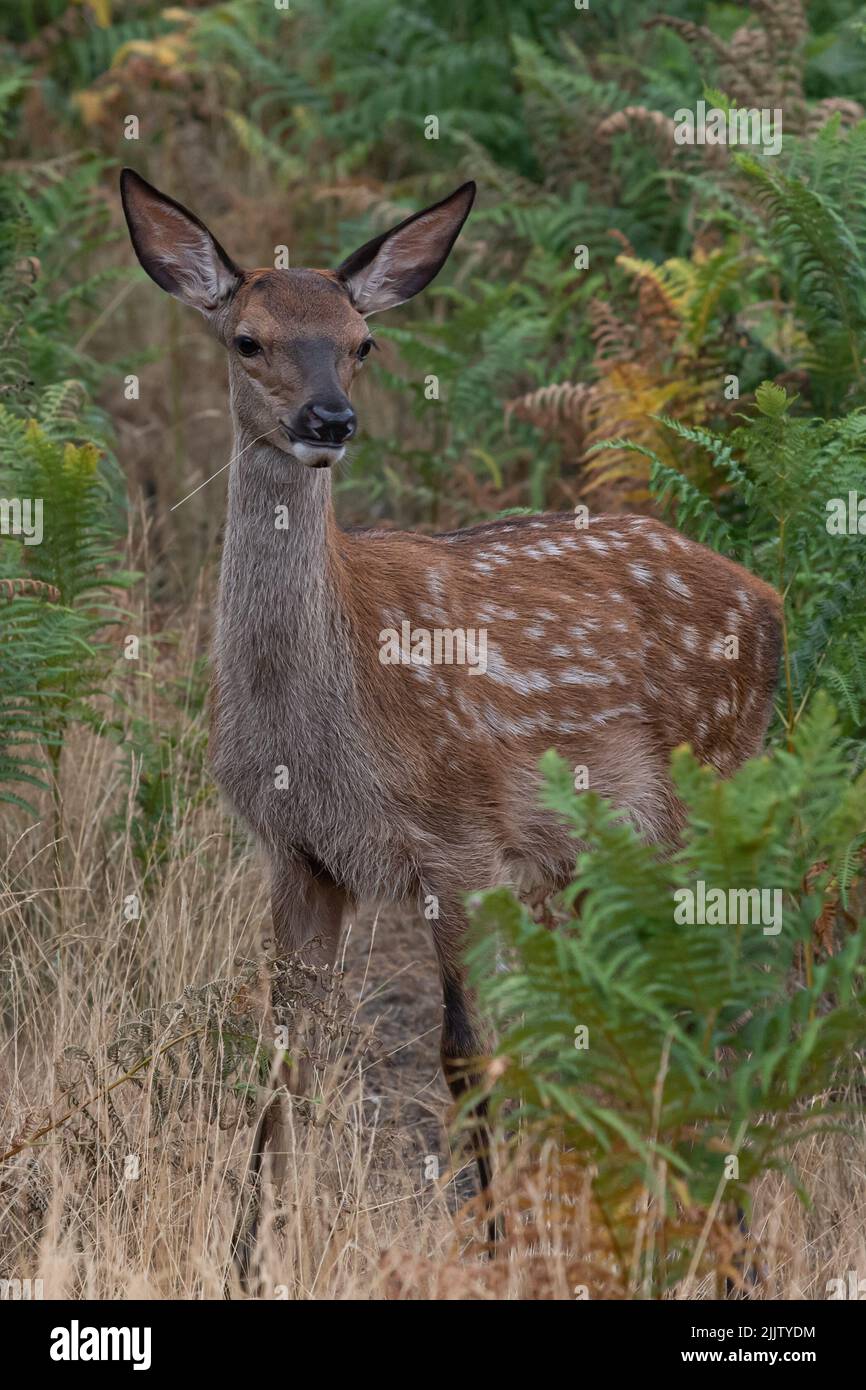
<point>326,424</point>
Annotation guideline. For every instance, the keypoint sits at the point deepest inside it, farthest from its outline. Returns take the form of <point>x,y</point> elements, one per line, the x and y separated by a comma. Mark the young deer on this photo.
<point>415,781</point>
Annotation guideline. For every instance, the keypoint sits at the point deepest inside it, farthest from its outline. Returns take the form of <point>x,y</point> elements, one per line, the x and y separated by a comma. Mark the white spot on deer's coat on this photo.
<point>604,716</point>
<point>437,593</point>
<point>499,670</point>
<point>520,726</point>
<point>674,582</point>
<point>641,573</point>
<point>583,678</point>
<point>596,543</point>
<point>537,680</point>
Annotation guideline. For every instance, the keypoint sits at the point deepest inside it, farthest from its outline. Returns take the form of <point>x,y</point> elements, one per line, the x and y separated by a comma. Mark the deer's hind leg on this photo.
<point>464,1047</point>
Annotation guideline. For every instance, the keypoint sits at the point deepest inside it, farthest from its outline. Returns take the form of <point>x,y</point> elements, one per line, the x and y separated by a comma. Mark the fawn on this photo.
<point>408,780</point>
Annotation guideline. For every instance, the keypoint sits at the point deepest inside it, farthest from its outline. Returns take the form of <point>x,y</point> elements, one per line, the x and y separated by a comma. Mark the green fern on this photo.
<point>828,268</point>
<point>642,1101</point>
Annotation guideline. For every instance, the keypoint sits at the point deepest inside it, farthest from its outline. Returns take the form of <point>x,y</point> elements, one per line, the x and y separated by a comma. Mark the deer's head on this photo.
<point>295,338</point>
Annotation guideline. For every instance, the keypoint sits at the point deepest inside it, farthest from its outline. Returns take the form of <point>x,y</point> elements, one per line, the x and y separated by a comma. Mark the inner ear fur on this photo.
<point>175,247</point>
<point>393,267</point>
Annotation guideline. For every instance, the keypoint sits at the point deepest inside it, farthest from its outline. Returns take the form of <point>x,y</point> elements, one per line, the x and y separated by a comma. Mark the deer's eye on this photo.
<point>247,347</point>
<point>364,350</point>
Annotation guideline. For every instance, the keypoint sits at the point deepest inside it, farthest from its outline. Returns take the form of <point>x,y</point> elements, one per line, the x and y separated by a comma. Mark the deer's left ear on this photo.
<point>175,248</point>
<point>395,266</point>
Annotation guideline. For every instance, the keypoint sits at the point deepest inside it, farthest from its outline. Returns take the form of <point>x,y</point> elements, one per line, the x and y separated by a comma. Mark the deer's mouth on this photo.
<point>315,453</point>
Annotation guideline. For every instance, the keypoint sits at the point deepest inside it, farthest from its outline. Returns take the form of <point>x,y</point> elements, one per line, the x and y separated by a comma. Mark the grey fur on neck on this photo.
<point>277,579</point>
<point>286,688</point>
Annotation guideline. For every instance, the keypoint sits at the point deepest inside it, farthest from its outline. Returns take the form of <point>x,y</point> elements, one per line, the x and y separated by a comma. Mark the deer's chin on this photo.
<point>308,453</point>
<point>316,456</point>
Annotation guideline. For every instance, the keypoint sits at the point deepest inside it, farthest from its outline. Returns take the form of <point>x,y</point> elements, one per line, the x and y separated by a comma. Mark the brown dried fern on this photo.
<point>32,588</point>
<point>655,123</point>
<point>214,1045</point>
<point>762,64</point>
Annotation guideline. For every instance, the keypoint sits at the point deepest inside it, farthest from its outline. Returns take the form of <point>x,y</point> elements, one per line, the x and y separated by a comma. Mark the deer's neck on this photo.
<point>281,572</point>
<point>286,687</point>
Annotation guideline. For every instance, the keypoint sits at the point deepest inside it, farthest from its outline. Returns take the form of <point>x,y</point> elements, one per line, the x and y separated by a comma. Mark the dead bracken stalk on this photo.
<point>226,1048</point>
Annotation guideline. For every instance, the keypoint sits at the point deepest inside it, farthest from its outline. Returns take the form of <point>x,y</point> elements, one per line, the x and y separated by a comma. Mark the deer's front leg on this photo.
<point>307,908</point>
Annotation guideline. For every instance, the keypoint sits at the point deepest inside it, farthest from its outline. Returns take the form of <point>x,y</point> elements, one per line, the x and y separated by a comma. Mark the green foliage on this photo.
<point>55,652</point>
<point>50,225</point>
<point>28,644</point>
<point>824,264</point>
<point>699,1045</point>
<point>772,497</point>
<point>58,589</point>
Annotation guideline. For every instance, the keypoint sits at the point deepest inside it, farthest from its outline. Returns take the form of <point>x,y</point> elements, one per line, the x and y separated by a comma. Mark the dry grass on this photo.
<point>69,1214</point>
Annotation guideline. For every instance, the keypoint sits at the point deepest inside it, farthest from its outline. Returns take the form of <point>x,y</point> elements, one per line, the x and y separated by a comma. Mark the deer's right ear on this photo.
<point>175,248</point>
